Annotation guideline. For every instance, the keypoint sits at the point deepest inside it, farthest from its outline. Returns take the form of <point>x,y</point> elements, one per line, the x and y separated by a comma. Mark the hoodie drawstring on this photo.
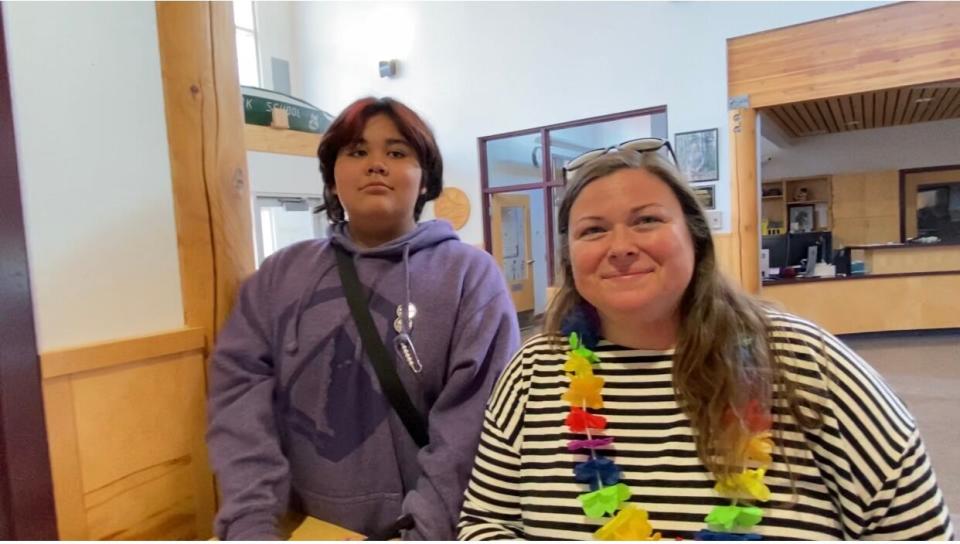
<point>403,344</point>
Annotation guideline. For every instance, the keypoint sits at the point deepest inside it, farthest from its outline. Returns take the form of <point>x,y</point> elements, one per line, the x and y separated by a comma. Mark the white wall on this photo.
<point>887,148</point>
<point>277,174</point>
<point>275,39</point>
<point>478,68</point>
<point>94,170</point>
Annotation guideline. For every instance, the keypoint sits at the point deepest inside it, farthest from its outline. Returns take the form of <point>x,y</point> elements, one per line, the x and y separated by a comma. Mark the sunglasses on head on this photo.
<point>640,145</point>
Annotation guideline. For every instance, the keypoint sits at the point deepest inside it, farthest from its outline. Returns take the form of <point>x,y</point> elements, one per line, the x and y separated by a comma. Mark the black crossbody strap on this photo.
<point>383,363</point>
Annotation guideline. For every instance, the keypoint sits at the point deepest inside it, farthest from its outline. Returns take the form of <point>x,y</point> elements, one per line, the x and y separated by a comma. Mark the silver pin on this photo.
<point>398,325</point>
<point>411,311</point>
<point>404,347</point>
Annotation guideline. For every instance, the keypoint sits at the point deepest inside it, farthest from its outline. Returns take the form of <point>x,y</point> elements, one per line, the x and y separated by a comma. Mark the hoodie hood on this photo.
<point>426,234</point>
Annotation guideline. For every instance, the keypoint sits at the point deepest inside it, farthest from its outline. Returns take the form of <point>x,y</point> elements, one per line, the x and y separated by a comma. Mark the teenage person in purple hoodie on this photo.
<point>297,419</point>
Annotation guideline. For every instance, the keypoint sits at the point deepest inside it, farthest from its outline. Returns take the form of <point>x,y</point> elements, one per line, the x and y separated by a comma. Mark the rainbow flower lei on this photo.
<point>608,495</point>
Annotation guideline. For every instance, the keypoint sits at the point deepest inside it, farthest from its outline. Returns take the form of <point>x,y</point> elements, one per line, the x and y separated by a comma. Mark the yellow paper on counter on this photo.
<point>315,529</point>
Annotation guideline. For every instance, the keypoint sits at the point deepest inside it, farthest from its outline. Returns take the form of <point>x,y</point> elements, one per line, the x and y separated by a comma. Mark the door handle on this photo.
<point>531,261</point>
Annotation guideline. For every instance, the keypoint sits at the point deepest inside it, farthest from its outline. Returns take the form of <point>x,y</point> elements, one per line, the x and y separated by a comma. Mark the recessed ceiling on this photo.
<point>919,104</point>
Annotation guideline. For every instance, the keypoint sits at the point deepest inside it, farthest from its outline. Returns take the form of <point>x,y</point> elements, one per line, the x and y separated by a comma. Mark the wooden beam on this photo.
<point>207,157</point>
<point>897,45</point>
<point>743,182</point>
<point>208,166</point>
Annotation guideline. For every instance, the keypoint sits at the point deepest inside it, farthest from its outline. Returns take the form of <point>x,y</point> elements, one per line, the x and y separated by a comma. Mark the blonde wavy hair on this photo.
<point>723,356</point>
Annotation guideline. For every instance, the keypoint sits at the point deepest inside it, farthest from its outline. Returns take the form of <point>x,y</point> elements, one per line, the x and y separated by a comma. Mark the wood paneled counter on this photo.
<point>907,258</point>
<point>873,302</point>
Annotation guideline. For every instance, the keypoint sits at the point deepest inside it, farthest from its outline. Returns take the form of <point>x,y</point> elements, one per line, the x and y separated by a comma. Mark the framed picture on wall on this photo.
<point>707,195</point>
<point>697,154</point>
<point>801,218</point>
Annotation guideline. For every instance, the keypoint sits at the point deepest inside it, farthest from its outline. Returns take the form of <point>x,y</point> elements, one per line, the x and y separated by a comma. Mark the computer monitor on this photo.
<point>777,246</point>
<point>812,258</point>
<point>800,242</point>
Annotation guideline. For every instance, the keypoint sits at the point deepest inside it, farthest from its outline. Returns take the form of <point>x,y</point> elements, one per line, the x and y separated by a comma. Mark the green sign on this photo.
<point>258,105</point>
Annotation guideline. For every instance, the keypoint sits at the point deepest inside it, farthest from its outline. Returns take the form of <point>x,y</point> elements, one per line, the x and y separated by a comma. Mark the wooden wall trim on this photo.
<point>119,352</point>
<point>204,116</point>
<point>26,490</point>
<point>898,45</point>
<point>285,142</point>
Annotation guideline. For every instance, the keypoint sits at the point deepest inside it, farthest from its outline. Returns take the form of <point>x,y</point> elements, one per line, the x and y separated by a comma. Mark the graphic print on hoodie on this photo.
<point>350,387</point>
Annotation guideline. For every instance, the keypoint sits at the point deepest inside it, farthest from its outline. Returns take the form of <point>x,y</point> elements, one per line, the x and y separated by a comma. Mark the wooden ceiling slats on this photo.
<point>880,102</point>
<point>868,110</point>
<point>943,105</point>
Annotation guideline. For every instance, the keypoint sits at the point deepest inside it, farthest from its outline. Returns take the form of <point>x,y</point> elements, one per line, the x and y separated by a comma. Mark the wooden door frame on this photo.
<point>759,76</point>
<point>903,173</point>
<point>26,487</point>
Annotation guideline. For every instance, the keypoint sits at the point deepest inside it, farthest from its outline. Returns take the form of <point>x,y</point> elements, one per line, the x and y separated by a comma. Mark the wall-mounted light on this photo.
<point>388,68</point>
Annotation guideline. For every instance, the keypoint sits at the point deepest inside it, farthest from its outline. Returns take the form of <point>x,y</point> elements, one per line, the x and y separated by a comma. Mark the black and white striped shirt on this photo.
<point>863,475</point>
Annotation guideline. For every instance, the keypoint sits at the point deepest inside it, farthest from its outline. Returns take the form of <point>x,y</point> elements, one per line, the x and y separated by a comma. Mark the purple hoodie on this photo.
<point>296,412</point>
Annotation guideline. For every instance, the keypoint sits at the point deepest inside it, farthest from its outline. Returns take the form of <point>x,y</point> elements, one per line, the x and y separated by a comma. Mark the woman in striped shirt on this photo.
<point>662,402</point>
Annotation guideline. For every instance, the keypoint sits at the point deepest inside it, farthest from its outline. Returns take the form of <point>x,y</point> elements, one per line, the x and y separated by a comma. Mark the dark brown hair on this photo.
<point>723,356</point>
<point>347,129</point>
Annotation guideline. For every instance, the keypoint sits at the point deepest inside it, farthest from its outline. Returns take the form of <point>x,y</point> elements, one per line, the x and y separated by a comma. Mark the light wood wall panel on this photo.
<point>728,256</point>
<point>866,208</point>
<point>853,306</point>
<point>888,47</point>
<point>125,424</point>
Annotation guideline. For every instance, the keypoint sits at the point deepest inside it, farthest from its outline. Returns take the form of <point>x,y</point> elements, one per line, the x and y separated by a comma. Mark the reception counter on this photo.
<point>905,258</point>
<point>907,287</point>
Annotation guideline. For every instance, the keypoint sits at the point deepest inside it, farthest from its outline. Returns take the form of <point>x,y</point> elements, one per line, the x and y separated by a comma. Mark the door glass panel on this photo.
<point>567,143</point>
<point>514,243</point>
<point>514,160</point>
